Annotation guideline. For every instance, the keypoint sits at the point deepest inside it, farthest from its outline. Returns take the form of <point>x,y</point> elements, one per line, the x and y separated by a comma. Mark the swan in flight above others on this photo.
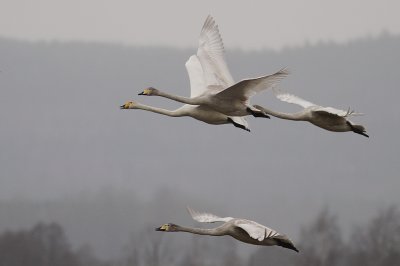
<point>202,113</point>
<point>324,117</point>
<point>218,89</point>
<point>241,229</point>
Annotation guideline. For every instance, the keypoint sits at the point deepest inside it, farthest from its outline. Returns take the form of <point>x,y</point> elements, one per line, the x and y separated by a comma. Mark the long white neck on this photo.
<point>299,116</point>
<point>182,99</point>
<point>218,231</point>
<point>174,113</point>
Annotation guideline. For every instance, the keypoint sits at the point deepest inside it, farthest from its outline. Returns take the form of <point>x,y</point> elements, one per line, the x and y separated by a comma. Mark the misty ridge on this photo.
<point>69,155</point>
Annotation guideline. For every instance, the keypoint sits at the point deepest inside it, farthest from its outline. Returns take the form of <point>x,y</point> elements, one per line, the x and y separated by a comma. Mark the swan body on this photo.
<point>199,112</point>
<point>202,113</point>
<point>216,88</point>
<point>241,229</point>
<point>328,118</point>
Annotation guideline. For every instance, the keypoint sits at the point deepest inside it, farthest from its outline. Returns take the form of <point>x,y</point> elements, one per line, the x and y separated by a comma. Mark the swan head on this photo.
<point>129,105</point>
<point>167,228</point>
<point>149,91</point>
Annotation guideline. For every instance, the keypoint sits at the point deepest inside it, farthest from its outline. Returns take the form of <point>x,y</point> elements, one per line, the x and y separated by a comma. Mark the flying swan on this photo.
<point>324,117</point>
<point>241,229</point>
<point>219,91</point>
<point>202,113</point>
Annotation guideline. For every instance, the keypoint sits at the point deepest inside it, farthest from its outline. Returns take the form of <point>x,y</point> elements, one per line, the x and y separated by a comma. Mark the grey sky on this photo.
<point>244,24</point>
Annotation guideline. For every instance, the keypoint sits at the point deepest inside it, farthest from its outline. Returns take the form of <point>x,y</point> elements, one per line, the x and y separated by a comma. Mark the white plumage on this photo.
<point>202,113</point>
<point>241,229</point>
<point>219,91</point>
<point>328,118</point>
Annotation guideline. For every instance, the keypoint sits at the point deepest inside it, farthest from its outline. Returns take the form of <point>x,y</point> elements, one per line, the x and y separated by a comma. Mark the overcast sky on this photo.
<point>243,24</point>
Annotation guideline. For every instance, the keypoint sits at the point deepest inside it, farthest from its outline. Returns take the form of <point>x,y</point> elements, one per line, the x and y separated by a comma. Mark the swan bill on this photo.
<point>167,228</point>
<point>127,105</point>
<point>149,92</point>
<point>164,227</point>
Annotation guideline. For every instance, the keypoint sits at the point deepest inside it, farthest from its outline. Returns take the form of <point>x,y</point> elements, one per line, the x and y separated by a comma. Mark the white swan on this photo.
<point>324,117</point>
<point>219,90</point>
<point>202,113</point>
<point>241,229</point>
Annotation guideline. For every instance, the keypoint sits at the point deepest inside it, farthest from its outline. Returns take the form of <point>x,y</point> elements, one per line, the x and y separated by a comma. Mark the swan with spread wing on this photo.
<point>219,91</point>
<point>241,229</point>
<point>199,112</point>
<point>328,118</point>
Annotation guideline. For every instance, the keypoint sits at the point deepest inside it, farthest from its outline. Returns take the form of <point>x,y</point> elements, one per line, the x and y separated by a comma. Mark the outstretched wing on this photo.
<point>247,88</point>
<point>211,55</point>
<point>290,98</point>
<point>196,76</point>
<point>337,112</point>
<point>204,217</point>
<point>256,230</point>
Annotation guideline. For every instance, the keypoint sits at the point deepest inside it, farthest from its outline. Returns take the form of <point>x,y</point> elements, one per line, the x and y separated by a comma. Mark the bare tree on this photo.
<point>321,242</point>
<point>378,243</point>
<point>44,245</point>
<point>150,249</point>
<point>203,250</point>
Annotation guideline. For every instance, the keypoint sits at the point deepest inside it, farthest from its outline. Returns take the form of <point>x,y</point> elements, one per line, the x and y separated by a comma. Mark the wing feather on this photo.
<point>211,55</point>
<point>196,76</point>
<point>256,230</point>
<point>249,87</point>
<point>290,98</point>
<point>204,217</point>
<point>337,112</point>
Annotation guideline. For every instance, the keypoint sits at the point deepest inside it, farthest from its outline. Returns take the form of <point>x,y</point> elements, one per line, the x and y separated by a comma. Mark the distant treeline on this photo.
<point>375,243</point>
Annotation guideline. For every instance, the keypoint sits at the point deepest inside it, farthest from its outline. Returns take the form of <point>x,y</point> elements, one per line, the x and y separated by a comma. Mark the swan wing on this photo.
<point>290,98</point>
<point>247,88</point>
<point>196,76</point>
<point>211,55</point>
<point>337,112</point>
<point>204,217</point>
<point>256,230</point>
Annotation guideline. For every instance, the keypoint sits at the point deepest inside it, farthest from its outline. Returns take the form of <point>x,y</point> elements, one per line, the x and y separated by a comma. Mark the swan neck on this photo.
<point>201,231</point>
<point>182,99</point>
<point>174,113</point>
<point>288,116</point>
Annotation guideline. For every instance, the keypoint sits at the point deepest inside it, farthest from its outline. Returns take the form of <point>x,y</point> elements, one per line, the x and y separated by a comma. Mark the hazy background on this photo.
<point>248,25</point>
<point>68,154</point>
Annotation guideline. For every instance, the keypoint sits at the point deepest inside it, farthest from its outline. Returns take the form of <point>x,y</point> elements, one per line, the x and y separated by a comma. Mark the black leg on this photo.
<point>257,114</point>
